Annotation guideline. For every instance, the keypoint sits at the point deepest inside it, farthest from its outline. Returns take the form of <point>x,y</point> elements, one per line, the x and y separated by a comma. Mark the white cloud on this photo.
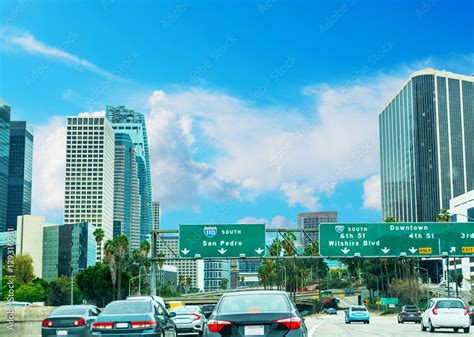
<point>252,220</point>
<point>32,45</point>
<point>100,113</point>
<point>49,157</point>
<point>299,194</point>
<point>278,221</point>
<point>372,193</point>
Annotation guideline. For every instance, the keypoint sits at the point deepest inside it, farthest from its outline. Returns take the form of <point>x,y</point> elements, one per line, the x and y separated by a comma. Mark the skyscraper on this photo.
<point>127,200</point>
<point>89,187</point>
<point>4,155</point>
<point>20,172</point>
<point>29,240</point>
<point>156,215</point>
<point>132,123</point>
<point>312,221</point>
<point>427,145</point>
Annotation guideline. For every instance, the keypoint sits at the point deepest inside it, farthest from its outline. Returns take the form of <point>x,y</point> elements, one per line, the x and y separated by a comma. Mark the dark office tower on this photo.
<point>427,145</point>
<point>127,199</point>
<point>132,123</point>
<point>4,155</point>
<point>20,172</point>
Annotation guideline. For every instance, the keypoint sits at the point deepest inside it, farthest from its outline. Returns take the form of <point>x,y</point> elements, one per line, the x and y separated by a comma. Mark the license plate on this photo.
<point>121,325</point>
<point>254,330</point>
<point>61,333</point>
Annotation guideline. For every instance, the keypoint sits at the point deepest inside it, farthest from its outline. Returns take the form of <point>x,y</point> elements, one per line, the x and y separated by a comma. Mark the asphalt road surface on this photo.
<point>331,326</point>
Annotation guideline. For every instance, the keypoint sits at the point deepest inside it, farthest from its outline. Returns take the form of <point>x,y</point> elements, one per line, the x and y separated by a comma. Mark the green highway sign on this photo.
<point>388,300</point>
<point>226,241</point>
<point>391,239</point>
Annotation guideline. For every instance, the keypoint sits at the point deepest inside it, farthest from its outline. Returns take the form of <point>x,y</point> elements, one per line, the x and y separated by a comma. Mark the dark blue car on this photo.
<point>131,318</point>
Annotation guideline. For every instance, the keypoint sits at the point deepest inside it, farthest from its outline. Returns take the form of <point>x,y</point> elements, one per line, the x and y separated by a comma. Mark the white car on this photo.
<point>450,313</point>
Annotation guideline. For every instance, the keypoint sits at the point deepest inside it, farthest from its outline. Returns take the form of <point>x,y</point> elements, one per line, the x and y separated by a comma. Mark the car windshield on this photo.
<point>257,303</point>
<point>127,307</point>
<point>185,310</point>
<point>450,304</point>
<point>358,309</point>
<point>69,310</point>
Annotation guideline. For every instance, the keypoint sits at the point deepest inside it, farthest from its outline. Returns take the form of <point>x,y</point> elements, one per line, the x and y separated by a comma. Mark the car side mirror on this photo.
<point>172,314</point>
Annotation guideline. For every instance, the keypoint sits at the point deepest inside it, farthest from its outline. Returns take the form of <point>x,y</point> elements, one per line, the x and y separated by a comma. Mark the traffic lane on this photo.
<point>385,326</point>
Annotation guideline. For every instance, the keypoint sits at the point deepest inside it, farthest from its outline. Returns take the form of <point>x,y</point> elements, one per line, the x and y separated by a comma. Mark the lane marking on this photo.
<point>313,329</point>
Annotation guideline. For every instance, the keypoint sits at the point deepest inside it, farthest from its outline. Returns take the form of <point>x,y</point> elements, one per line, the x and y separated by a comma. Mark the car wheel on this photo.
<point>422,326</point>
<point>466,330</point>
<point>430,327</point>
<point>456,329</point>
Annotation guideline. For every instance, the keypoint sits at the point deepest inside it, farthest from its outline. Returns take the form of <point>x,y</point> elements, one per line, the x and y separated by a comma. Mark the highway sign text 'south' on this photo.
<point>227,241</point>
<point>396,239</point>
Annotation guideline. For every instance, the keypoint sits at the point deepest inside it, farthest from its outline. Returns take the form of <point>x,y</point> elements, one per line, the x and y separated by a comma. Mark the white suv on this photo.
<point>449,313</point>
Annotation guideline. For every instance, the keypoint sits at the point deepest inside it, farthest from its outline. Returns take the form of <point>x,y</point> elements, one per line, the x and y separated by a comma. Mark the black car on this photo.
<point>134,318</point>
<point>70,320</point>
<point>471,314</point>
<point>207,309</point>
<point>255,313</point>
<point>409,313</point>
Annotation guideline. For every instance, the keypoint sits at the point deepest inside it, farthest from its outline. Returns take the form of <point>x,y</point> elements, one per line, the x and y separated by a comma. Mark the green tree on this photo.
<point>390,219</point>
<point>443,215</point>
<point>99,237</point>
<point>117,259</point>
<point>224,283</point>
<point>59,292</point>
<point>24,271</point>
<point>95,283</point>
<point>30,292</point>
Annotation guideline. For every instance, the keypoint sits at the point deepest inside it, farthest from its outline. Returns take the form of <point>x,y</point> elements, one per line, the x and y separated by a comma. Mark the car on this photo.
<point>189,319</point>
<point>133,318</point>
<point>445,313</point>
<point>471,314</point>
<point>256,313</point>
<point>207,309</point>
<point>70,320</point>
<point>357,314</point>
<point>330,311</point>
<point>147,297</point>
<point>409,313</point>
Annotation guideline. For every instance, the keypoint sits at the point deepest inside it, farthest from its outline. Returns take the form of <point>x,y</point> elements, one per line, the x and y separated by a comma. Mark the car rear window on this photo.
<point>254,304</point>
<point>411,308</point>
<point>359,309</point>
<point>69,310</point>
<point>127,307</point>
<point>450,304</point>
<point>185,310</point>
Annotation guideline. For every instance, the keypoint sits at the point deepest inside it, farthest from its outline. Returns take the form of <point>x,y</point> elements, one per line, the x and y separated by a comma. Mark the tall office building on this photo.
<point>427,145</point>
<point>127,202</point>
<point>4,155</point>
<point>168,246</point>
<point>29,240</point>
<point>89,188</point>
<point>312,221</point>
<point>20,172</point>
<point>214,272</point>
<point>67,249</point>
<point>156,215</point>
<point>132,123</point>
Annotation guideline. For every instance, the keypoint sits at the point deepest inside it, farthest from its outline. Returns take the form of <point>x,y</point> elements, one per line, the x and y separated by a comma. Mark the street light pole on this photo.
<point>427,281</point>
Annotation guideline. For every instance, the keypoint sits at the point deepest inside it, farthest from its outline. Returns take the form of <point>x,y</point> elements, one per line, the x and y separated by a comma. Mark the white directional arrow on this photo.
<point>259,251</point>
<point>413,250</point>
<point>385,250</point>
<point>185,251</point>
<point>452,250</point>
<point>345,250</point>
<point>222,251</point>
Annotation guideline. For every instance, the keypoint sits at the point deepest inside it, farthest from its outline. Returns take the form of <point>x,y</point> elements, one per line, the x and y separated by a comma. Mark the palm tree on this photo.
<point>122,244</point>
<point>110,258</point>
<point>145,248</point>
<point>99,236</point>
<point>443,215</point>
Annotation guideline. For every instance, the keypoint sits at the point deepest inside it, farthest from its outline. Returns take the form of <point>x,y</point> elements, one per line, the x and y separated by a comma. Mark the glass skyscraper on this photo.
<point>20,172</point>
<point>132,123</point>
<point>427,145</point>
<point>4,155</point>
<point>127,201</point>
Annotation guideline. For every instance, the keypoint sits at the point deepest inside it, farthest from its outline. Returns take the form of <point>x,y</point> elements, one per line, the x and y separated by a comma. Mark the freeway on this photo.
<point>384,326</point>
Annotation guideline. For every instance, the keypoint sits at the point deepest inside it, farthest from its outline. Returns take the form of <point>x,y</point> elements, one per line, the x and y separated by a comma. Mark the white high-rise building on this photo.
<point>156,215</point>
<point>29,240</point>
<point>89,188</point>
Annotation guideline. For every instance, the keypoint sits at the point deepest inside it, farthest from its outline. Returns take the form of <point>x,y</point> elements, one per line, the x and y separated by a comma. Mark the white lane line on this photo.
<point>313,329</point>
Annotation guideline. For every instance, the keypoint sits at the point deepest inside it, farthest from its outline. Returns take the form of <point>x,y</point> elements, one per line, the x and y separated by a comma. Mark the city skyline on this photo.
<point>225,147</point>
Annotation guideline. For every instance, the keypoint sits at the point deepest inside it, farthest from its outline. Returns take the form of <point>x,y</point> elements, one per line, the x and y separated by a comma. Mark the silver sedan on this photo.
<point>189,319</point>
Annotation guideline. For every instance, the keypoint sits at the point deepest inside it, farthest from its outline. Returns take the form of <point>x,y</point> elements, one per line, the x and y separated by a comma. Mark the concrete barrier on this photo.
<point>24,314</point>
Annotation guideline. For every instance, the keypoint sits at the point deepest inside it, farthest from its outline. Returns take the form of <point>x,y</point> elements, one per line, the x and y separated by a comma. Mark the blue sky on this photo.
<point>256,110</point>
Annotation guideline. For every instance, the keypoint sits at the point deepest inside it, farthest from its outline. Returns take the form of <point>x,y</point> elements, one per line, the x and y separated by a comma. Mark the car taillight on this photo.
<point>435,310</point>
<point>465,310</point>
<point>143,324</point>
<point>79,322</point>
<point>404,313</point>
<point>197,317</point>
<point>102,325</point>
<point>47,323</point>
<point>291,323</point>
<point>418,313</point>
<point>217,325</point>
